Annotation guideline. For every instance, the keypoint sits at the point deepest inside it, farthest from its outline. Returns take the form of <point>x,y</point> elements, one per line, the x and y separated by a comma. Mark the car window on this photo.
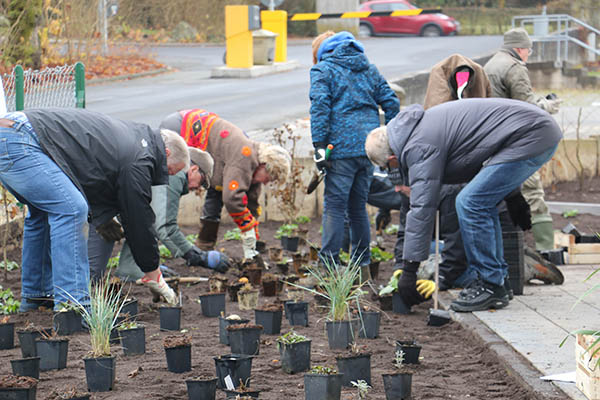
<point>381,7</point>
<point>399,6</point>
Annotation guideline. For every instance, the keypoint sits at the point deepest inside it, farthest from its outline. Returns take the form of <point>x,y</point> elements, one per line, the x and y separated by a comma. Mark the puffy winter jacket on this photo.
<point>345,93</point>
<point>114,163</point>
<point>451,142</point>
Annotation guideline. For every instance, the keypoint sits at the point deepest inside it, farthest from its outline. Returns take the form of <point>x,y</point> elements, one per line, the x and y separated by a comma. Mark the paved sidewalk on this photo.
<point>535,323</point>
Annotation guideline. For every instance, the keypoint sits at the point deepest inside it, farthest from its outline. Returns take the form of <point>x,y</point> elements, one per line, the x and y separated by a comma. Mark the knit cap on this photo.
<point>517,38</point>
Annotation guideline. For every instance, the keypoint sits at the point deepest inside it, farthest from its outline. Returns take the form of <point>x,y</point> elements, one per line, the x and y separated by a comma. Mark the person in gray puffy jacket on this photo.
<point>494,144</point>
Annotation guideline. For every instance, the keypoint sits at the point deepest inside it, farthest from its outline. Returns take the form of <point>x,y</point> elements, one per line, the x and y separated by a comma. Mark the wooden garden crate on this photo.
<point>587,376</point>
<point>577,253</point>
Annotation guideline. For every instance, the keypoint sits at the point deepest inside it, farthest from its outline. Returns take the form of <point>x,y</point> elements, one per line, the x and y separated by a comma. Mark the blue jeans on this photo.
<point>55,258</point>
<point>346,190</point>
<point>478,215</point>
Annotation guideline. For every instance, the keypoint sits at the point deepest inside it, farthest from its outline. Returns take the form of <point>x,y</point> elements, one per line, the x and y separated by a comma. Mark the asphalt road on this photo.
<point>263,102</point>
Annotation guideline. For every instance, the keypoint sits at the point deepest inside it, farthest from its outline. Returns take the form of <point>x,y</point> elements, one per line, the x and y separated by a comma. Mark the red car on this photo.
<point>424,24</point>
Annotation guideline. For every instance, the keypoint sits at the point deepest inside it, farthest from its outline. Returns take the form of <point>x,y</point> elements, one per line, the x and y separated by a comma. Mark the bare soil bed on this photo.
<point>455,363</point>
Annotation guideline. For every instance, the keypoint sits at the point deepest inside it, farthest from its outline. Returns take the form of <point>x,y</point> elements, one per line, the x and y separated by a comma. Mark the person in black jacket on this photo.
<point>494,144</point>
<point>71,166</point>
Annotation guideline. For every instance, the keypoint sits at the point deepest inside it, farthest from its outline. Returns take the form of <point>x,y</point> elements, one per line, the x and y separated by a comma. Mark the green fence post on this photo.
<point>79,85</point>
<point>19,88</point>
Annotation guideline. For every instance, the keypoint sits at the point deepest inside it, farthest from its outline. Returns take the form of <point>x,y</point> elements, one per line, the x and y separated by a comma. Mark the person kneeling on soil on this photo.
<point>70,166</point>
<point>165,203</point>
<point>241,167</point>
<point>494,144</point>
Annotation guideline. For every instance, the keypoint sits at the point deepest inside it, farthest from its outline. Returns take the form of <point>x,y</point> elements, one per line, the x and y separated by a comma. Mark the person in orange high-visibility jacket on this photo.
<point>241,166</point>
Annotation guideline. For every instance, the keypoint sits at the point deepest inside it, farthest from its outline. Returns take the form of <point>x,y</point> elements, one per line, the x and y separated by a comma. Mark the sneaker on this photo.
<point>29,304</point>
<point>481,296</point>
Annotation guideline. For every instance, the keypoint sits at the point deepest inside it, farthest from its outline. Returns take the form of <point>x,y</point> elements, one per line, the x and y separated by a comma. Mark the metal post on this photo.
<point>19,88</point>
<point>437,259</point>
<point>79,85</point>
<point>103,22</point>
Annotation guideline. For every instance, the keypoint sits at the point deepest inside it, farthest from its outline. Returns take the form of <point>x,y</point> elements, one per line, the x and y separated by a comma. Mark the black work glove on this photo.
<point>319,156</point>
<point>382,219</point>
<point>111,231</point>
<point>519,211</point>
<point>213,259</point>
<point>407,284</point>
<point>195,257</point>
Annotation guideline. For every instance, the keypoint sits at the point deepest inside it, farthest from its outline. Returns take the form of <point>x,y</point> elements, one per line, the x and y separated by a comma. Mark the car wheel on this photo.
<point>365,30</point>
<point>431,31</point>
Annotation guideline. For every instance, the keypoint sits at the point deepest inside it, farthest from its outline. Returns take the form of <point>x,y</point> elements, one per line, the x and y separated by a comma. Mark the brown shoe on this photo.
<point>207,236</point>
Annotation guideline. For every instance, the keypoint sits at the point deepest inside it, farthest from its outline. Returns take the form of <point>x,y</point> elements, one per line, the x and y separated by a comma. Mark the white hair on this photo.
<point>377,146</point>
<point>178,148</point>
<point>276,159</point>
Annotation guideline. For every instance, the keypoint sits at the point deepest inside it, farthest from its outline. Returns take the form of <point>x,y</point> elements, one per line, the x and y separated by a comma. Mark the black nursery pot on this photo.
<point>237,366</point>
<point>27,341</point>
<point>7,335</point>
<point>18,393</point>
<point>245,340</point>
<point>179,359</point>
<point>290,243</point>
<point>374,269</point>
<point>131,308</point>
<point>114,334</point>
<point>295,357</point>
<point>411,351</point>
<point>233,394</point>
<point>354,368</point>
<point>212,304</point>
<point>297,313</point>
<point>270,321</point>
<point>67,322</point>
<point>397,386</point>
<point>369,324</point>
<point>52,353</point>
<point>322,387</point>
<point>170,318</point>
<point>398,305</point>
<point>133,340</point>
<point>100,373</point>
<point>340,334</point>
<point>26,367</point>
<point>223,324</point>
<point>201,389</point>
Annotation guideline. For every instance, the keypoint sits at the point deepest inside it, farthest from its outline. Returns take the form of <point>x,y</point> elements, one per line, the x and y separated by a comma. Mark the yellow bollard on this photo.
<point>276,22</point>
<point>239,22</point>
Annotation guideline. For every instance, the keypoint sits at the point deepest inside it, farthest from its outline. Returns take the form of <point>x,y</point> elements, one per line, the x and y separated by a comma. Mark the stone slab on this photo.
<point>255,71</point>
<point>557,207</point>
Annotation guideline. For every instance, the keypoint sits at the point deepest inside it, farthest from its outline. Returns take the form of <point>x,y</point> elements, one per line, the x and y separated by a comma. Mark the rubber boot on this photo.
<point>207,236</point>
<point>537,267</point>
<point>543,235</point>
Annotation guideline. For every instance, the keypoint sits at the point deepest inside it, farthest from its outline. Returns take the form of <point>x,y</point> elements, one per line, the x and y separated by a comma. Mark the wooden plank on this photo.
<point>593,258</point>
<point>585,248</point>
<point>563,240</point>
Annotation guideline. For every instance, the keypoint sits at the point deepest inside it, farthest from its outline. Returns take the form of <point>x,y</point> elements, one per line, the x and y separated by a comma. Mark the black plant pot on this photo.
<point>340,334</point>
<point>212,304</point>
<point>170,318</point>
<point>179,359</point>
<point>26,367</point>
<point>369,324</point>
<point>398,305</point>
<point>100,373</point>
<point>130,308</point>
<point>7,335</point>
<point>270,321</point>
<point>297,313</point>
<point>133,340</point>
<point>67,322</point>
<point>237,366</point>
<point>18,393</point>
<point>322,387</point>
<point>245,341</point>
<point>374,269</point>
<point>201,389</point>
<point>295,357</point>
<point>223,324</point>
<point>233,394</point>
<point>397,386</point>
<point>27,341</point>
<point>411,351</point>
<point>114,334</point>
<point>290,243</point>
<point>52,353</point>
<point>354,368</point>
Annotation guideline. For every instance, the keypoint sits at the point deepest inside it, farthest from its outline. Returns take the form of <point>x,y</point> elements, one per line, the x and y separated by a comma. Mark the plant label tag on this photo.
<point>229,383</point>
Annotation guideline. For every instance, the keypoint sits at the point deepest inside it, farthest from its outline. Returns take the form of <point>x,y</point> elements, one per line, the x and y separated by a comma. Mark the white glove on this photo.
<point>380,242</point>
<point>551,105</point>
<point>249,244</point>
<point>161,288</point>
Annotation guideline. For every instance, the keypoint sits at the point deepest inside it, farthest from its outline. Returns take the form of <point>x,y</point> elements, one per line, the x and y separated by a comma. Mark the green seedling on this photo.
<point>570,213</point>
<point>322,370</point>
<point>8,304</point>
<point>164,251</point>
<point>362,387</point>
<point>290,338</point>
<point>392,229</point>
<point>286,230</point>
<point>378,255</point>
<point>113,262</point>
<point>303,219</point>
<point>233,234</point>
<point>192,238</point>
<point>128,325</point>
<point>9,265</point>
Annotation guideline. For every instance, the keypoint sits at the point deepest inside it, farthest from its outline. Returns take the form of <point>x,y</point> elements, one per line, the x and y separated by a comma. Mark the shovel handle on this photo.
<point>328,151</point>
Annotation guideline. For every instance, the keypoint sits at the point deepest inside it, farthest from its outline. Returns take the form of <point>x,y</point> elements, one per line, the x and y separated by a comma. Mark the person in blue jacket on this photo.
<point>345,93</point>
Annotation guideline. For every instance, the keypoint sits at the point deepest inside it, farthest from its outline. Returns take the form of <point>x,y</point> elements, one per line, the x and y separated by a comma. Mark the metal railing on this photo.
<point>558,28</point>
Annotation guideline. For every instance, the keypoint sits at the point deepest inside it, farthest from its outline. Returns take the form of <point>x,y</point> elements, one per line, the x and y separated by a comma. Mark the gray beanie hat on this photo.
<point>517,38</point>
<point>204,161</point>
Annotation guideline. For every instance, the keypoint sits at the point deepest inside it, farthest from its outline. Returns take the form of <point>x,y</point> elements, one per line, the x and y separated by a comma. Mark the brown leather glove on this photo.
<point>111,231</point>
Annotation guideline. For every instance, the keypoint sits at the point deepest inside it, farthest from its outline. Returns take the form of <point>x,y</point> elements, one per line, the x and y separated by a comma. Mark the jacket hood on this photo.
<point>400,129</point>
<point>344,50</point>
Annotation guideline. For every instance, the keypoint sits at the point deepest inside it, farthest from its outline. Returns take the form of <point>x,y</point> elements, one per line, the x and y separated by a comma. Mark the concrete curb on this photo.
<point>515,364</point>
<point>131,76</point>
